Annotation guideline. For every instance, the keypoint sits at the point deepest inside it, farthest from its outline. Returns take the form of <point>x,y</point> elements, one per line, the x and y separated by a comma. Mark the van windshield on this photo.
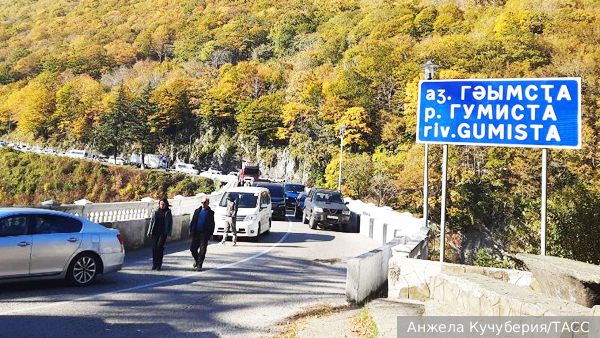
<point>245,199</point>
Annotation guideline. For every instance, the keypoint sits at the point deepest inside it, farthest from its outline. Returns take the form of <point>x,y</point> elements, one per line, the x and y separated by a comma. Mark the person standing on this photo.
<point>202,227</point>
<point>161,226</point>
<point>231,214</point>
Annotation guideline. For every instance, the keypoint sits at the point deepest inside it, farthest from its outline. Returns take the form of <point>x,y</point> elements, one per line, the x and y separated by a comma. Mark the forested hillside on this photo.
<point>216,81</point>
<point>29,179</point>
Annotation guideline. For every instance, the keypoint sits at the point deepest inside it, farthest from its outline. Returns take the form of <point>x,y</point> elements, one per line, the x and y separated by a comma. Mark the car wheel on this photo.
<point>83,269</point>
<point>255,238</point>
<point>312,222</point>
<point>304,218</point>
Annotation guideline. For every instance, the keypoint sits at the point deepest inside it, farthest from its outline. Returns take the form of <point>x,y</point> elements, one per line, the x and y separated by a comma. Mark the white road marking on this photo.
<point>269,249</point>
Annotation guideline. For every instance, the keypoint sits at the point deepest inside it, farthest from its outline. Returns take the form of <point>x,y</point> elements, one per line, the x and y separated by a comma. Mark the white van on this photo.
<point>186,168</point>
<point>76,153</point>
<point>254,211</point>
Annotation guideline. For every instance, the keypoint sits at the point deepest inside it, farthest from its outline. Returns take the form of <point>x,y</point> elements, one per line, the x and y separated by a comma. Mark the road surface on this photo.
<point>244,291</point>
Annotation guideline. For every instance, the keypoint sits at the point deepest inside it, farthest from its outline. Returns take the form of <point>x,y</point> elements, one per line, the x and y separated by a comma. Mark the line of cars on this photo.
<point>265,201</point>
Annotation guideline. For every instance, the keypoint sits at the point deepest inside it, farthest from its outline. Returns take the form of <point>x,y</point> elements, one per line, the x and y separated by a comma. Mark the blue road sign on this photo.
<point>535,113</point>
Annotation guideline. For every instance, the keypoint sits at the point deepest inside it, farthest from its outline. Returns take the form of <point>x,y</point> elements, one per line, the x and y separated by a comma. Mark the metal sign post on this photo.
<point>426,184</point>
<point>429,68</point>
<point>544,176</point>
<point>443,221</point>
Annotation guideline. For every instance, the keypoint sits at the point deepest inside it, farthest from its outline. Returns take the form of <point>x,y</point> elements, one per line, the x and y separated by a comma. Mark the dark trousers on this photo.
<point>198,247</point>
<point>158,249</point>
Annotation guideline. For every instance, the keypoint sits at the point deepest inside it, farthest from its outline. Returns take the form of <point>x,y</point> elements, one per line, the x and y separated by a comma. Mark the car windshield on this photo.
<point>294,187</point>
<point>330,197</point>
<point>251,171</point>
<point>245,199</point>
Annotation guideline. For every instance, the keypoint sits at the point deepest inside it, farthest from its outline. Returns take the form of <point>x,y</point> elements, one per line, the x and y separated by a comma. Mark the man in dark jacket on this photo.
<point>202,227</point>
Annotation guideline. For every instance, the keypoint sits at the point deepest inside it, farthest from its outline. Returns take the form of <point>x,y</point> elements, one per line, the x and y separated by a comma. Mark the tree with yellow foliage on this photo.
<point>356,120</point>
<point>77,105</point>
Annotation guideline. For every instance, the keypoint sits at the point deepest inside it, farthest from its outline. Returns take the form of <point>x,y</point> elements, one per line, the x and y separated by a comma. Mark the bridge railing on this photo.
<point>127,211</point>
<point>385,225</point>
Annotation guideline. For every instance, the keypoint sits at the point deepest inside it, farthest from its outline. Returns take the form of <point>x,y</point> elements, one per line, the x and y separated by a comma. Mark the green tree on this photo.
<point>143,137</point>
<point>114,126</point>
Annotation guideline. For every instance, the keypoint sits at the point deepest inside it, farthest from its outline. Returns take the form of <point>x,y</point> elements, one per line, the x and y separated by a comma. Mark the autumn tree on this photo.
<point>261,119</point>
<point>77,106</point>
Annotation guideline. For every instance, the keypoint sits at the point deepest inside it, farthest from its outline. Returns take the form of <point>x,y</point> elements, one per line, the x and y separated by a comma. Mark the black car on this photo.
<point>325,208</point>
<point>277,198</point>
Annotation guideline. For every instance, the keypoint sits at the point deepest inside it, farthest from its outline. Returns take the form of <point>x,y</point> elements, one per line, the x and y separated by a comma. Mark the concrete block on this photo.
<point>367,273</point>
<point>411,277</point>
<point>570,280</point>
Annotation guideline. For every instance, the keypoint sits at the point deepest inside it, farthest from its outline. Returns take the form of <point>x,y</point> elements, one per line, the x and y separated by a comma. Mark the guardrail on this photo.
<point>384,224</point>
<point>127,211</point>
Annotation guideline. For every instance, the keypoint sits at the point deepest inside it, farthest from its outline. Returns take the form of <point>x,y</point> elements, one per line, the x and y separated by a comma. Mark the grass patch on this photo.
<point>296,323</point>
<point>363,324</point>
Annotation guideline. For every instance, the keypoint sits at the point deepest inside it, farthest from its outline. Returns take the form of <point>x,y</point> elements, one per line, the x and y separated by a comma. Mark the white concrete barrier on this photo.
<point>400,235</point>
<point>367,273</point>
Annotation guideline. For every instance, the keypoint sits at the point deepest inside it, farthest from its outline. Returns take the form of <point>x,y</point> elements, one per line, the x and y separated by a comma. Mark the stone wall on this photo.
<point>412,278</point>
<point>134,231</point>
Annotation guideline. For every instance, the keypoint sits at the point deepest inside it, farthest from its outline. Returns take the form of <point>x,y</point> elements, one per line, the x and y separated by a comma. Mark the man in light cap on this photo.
<point>231,214</point>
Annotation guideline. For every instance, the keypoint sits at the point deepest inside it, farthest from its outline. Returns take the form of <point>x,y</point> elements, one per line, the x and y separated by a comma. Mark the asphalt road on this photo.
<point>243,292</point>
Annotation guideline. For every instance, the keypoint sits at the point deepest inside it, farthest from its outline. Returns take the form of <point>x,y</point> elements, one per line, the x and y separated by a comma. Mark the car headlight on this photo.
<point>345,212</point>
<point>249,218</point>
<point>317,209</point>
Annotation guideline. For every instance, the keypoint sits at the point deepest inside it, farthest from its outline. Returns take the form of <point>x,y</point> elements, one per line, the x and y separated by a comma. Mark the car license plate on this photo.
<point>332,217</point>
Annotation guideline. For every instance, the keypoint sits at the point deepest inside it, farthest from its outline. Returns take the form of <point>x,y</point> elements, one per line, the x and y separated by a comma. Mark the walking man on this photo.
<point>231,214</point>
<point>202,227</point>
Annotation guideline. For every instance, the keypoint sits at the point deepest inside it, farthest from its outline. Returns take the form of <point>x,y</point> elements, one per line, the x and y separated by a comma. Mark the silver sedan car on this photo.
<point>46,244</point>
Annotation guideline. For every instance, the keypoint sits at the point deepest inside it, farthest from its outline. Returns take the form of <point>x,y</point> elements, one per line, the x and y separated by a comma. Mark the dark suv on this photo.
<point>325,208</point>
<point>277,198</point>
